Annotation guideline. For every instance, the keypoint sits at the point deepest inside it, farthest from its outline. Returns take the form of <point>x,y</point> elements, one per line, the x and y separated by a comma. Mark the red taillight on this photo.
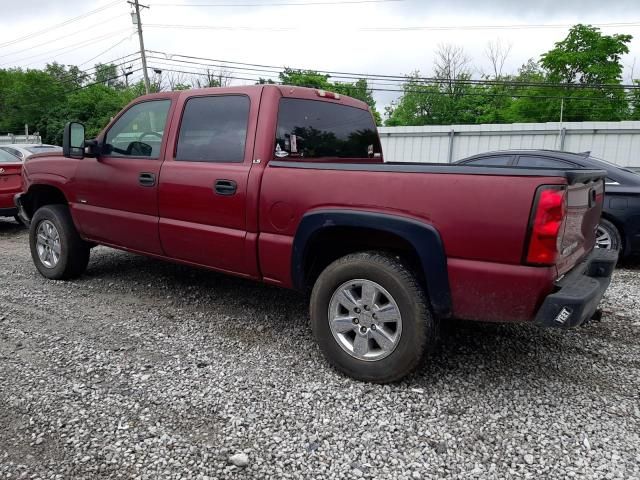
<point>550,212</point>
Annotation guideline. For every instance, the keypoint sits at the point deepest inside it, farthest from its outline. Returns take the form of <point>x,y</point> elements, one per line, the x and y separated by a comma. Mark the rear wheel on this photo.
<point>57,250</point>
<point>371,317</point>
<point>608,236</point>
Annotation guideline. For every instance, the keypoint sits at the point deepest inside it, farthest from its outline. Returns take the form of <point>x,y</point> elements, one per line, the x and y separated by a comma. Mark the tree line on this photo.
<point>580,79</point>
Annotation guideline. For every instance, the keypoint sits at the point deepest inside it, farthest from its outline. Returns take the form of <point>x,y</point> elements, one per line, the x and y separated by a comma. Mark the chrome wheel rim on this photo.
<point>365,320</point>
<point>48,244</point>
<point>603,238</point>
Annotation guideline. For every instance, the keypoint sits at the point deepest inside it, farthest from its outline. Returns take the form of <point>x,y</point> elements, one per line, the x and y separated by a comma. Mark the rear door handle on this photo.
<point>225,187</point>
<point>147,179</point>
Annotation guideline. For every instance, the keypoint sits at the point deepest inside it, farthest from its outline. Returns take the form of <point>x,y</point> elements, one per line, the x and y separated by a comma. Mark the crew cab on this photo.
<point>288,186</point>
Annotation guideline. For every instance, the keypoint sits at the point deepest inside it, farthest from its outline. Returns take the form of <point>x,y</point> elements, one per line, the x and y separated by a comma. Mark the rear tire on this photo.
<point>57,250</point>
<point>608,236</point>
<point>371,317</point>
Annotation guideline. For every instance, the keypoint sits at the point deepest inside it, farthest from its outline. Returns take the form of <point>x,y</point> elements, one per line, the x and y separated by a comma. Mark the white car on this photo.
<point>24,150</point>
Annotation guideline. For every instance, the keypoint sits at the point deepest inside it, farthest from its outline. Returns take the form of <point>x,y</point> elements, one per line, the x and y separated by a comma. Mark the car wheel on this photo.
<point>371,317</point>
<point>608,236</point>
<point>57,250</point>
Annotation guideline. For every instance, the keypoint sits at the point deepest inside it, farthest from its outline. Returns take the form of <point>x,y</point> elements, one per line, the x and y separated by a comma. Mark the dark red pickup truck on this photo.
<point>287,186</point>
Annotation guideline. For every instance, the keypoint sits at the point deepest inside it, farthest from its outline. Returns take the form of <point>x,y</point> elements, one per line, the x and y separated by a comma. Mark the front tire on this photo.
<point>57,250</point>
<point>371,317</point>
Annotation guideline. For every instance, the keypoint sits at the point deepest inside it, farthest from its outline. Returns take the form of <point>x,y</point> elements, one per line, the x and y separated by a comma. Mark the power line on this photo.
<point>101,24</point>
<point>62,24</point>
<point>277,4</point>
<point>66,49</point>
<point>422,92</point>
<point>128,37</point>
<point>354,76</point>
<point>385,29</point>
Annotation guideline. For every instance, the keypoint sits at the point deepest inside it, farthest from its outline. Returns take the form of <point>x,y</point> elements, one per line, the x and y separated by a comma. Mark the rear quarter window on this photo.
<point>312,129</point>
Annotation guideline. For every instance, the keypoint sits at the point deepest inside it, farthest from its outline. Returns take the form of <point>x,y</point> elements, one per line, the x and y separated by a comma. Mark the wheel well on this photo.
<point>329,244</point>
<point>41,195</point>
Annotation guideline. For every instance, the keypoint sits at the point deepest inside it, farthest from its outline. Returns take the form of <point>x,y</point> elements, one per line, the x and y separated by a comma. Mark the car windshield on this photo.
<point>600,160</point>
<point>6,157</point>
<point>43,148</point>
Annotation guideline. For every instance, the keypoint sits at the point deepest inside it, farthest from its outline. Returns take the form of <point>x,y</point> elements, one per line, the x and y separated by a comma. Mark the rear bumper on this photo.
<point>579,292</point>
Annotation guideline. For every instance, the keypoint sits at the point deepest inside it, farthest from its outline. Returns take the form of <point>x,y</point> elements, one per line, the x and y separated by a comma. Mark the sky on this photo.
<point>376,37</point>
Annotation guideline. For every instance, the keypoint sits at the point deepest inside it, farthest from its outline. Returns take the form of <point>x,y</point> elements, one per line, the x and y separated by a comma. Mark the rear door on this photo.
<point>203,194</point>
<point>117,193</point>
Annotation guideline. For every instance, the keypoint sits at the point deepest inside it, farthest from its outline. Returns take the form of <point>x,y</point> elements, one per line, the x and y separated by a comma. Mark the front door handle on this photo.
<point>225,187</point>
<point>147,179</point>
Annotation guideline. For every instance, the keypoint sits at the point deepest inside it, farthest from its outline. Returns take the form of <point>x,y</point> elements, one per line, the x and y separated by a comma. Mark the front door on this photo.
<point>117,192</point>
<point>203,188</point>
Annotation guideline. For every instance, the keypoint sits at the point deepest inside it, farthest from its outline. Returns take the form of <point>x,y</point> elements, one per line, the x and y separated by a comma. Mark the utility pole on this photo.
<point>143,54</point>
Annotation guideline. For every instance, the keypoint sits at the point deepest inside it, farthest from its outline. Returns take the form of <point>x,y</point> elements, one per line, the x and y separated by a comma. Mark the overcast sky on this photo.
<point>326,37</point>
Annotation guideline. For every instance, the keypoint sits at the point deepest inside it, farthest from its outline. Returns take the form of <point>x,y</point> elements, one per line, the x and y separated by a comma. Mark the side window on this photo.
<point>139,131</point>
<point>493,161</point>
<point>214,129</point>
<point>316,129</point>
<point>544,162</point>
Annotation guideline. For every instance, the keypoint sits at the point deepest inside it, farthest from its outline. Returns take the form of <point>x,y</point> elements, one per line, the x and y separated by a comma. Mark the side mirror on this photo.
<point>73,140</point>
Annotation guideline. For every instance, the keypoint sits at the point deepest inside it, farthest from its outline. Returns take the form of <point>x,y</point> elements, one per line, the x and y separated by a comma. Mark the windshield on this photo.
<point>6,157</point>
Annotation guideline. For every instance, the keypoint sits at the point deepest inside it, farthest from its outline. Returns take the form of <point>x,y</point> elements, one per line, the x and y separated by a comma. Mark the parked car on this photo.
<point>619,227</point>
<point>23,151</point>
<point>10,184</point>
<point>287,185</point>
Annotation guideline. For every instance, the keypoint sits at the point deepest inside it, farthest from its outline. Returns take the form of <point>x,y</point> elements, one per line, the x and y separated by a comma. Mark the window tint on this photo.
<point>214,129</point>
<point>139,131</point>
<point>314,129</point>
<point>544,162</point>
<point>494,161</point>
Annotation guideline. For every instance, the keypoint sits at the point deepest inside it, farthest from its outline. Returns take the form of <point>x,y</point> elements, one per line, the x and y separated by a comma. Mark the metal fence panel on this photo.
<point>617,142</point>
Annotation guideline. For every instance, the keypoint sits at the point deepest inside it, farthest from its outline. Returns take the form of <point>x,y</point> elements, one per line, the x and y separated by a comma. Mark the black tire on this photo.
<point>613,233</point>
<point>74,252</point>
<point>418,334</point>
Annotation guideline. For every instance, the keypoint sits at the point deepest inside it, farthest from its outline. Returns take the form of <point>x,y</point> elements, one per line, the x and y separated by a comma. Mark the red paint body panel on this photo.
<point>482,219</point>
<point>10,183</point>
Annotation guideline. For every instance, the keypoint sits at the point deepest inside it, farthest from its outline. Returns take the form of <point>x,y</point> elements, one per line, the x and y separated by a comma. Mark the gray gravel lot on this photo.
<point>143,369</point>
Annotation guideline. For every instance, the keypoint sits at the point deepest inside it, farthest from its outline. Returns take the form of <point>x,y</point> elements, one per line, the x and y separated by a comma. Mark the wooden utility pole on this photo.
<point>143,54</point>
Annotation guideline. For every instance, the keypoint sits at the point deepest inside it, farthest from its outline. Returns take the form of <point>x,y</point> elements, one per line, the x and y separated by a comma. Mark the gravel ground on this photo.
<point>143,369</point>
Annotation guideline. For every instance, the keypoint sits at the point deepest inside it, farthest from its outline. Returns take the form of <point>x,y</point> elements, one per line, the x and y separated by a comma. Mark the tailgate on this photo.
<point>584,206</point>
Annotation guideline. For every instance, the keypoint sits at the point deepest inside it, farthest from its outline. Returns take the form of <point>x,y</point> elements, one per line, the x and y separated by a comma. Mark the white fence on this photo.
<point>617,142</point>
<point>5,139</point>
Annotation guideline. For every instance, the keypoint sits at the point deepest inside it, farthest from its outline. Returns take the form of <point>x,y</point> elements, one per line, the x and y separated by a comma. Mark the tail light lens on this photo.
<point>546,225</point>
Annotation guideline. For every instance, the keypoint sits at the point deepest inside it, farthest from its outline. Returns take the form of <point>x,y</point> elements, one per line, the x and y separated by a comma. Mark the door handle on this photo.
<point>225,187</point>
<point>147,179</point>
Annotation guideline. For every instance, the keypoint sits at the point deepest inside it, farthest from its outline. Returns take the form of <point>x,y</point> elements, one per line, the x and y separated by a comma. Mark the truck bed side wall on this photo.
<point>481,219</point>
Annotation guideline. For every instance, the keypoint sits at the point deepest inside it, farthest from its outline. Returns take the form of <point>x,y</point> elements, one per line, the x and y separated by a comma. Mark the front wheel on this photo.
<point>57,250</point>
<point>371,318</point>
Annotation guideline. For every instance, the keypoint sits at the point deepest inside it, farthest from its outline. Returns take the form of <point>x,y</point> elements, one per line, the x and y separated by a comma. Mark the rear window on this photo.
<point>544,162</point>
<point>495,161</point>
<point>6,157</point>
<point>309,129</point>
